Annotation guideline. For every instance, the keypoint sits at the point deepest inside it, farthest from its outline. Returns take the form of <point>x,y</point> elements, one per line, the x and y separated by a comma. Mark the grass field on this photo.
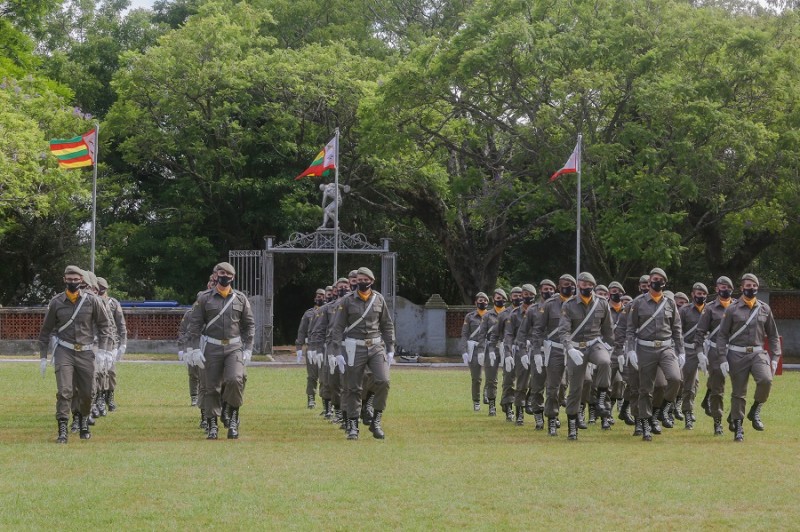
<point>441,466</point>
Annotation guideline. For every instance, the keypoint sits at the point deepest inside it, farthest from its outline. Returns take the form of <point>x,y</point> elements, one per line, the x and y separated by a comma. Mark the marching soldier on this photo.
<point>120,341</point>
<point>73,319</point>
<point>516,380</point>
<point>706,336</point>
<point>585,332</point>
<point>690,319</point>
<point>740,346</point>
<point>489,344</point>
<point>363,327</point>
<point>506,330</point>
<point>312,369</point>
<point>469,344</point>
<point>615,293</point>
<point>222,326</point>
<point>654,336</point>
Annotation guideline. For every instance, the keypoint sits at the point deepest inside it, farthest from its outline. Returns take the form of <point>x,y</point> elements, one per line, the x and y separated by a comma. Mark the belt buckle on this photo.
<point>225,342</point>
<point>77,347</point>
<point>748,350</point>
<point>657,343</point>
<point>368,342</point>
<point>582,345</point>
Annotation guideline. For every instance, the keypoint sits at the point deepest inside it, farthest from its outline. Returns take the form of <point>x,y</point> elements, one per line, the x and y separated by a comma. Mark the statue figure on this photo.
<point>330,197</point>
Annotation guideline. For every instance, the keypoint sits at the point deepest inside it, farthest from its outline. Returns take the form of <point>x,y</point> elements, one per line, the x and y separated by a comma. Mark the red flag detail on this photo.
<point>573,164</point>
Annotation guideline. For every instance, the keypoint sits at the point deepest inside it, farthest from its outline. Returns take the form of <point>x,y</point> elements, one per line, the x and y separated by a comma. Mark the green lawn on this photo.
<point>441,466</point>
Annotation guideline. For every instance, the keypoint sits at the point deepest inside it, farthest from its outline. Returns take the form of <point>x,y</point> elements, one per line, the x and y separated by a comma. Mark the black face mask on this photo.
<point>725,294</point>
<point>353,287</point>
<point>364,286</point>
<point>699,300</point>
<point>656,286</point>
<point>749,292</point>
<point>482,306</point>
<point>566,291</point>
<point>73,287</point>
<point>546,295</point>
<point>500,303</point>
<point>516,302</point>
<point>616,298</point>
<point>586,292</point>
<point>341,291</point>
<point>527,300</point>
<point>224,281</point>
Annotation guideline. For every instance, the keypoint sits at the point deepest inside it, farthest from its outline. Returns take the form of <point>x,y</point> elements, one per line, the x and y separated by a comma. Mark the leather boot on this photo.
<point>677,410</point>
<point>754,415</point>
<point>62,431</point>
<point>91,419</point>
<point>85,434</point>
<point>336,419</point>
<point>666,416</point>
<point>580,420</point>
<point>225,415</point>
<point>203,420</point>
<point>485,397</point>
<point>605,422</point>
<point>476,407</point>
<point>233,424</point>
<point>100,401</point>
<point>592,413</point>
<point>572,427</point>
<point>352,429</point>
<point>492,409</point>
<point>647,435</point>
<point>655,426</point>
<point>689,424</point>
<point>529,406</point>
<point>213,429</point>
<point>509,411</point>
<point>112,405</point>
<point>731,426</point>
<point>76,423</point>
<point>193,400</point>
<point>520,419</point>
<point>311,403</point>
<point>343,424</point>
<point>375,427</point>
<point>718,426</point>
<point>602,408</point>
<point>706,403</point>
<point>539,418</point>
<point>367,410</point>
<point>552,430</point>
<point>637,431</point>
<point>95,413</point>
<point>625,414</point>
<point>326,409</point>
<point>738,430</point>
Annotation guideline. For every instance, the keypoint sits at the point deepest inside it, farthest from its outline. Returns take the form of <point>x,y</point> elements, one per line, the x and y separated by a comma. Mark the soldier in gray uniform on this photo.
<point>72,321</point>
<point>706,336</point>
<point>690,319</point>
<point>521,366</point>
<point>489,346</point>
<point>312,369</point>
<point>745,326</point>
<point>363,326</point>
<point>654,336</point>
<point>469,345</point>
<point>506,331</point>
<point>585,333</point>
<point>615,293</point>
<point>120,341</point>
<point>544,339</point>
<point>221,325</point>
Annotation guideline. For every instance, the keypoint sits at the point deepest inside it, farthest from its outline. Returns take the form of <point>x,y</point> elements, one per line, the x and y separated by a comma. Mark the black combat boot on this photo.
<point>666,416</point>
<point>688,420</point>
<point>213,429</point>
<point>625,414</point>
<point>91,419</point>
<point>601,407</point>
<point>94,412</point>
<point>233,424</point>
<point>352,428</point>
<point>539,418</point>
<point>605,422</point>
<point>646,433</point>
<point>677,410</point>
<point>85,434</point>
<point>368,410</point>
<point>326,409</point>
<point>572,427</point>
<point>592,413</point>
<point>655,426</point>
<point>581,421</point>
<point>62,431</point>
<point>738,430</point>
<point>485,397</point>
<point>112,405</point>
<point>520,416</point>
<point>375,426</point>
<point>194,400</point>
<point>718,426</point>
<point>552,430</point>
<point>343,424</point>
<point>225,415</point>
<point>492,409</point>
<point>203,420</point>
<point>476,407</point>
<point>76,423</point>
<point>706,403</point>
<point>637,431</point>
<point>100,401</point>
<point>509,410</point>
<point>529,406</point>
<point>311,403</point>
<point>754,415</point>
<point>731,426</point>
<point>336,419</point>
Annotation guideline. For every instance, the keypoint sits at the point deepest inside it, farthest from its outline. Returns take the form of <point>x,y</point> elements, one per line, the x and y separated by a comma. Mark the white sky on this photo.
<point>141,3</point>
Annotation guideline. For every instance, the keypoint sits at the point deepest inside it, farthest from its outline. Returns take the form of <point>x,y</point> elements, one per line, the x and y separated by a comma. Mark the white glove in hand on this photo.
<point>331,364</point>
<point>725,368</point>
<point>121,352</point>
<point>390,357</point>
<point>621,362</point>
<point>576,356</point>
<point>199,359</point>
<point>300,355</point>
<point>509,362</point>
<point>702,362</point>
<point>774,364</point>
<point>180,356</point>
<point>465,358</point>
<point>681,360</point>
<point>492,358</point>
<point>526,361</point>
<point>114,353</point>
<point>633,359</point>
<point>340,362</point>
<point>43,366</point>
<point>539,361</point>
<point>589,370</point>
<point>247,355</point>
<point>481,359</point>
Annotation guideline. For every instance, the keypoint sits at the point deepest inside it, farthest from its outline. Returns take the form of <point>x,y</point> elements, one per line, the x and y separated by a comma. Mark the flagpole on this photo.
<point>578,243</point>
<point>94,192</point>
<point>336,213</point>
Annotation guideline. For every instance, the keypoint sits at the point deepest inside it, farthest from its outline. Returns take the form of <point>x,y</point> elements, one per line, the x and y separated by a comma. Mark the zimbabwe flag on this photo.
<point>325,160</point>
<point>75,152</point>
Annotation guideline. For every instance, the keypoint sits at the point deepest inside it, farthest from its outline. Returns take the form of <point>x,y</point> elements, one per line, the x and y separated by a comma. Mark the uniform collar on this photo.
<point>224,291</point>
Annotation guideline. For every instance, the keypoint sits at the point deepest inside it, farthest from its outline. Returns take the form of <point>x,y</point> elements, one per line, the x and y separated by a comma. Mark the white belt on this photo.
<point>228,341</point>
<point>748,349</point>
<point>712,344</point>
<point>76,347</point>
<point>554,344</point>
<point>584,345</point>
<point>688,346</point>
<point>655,343</point>
<point>368,342</point>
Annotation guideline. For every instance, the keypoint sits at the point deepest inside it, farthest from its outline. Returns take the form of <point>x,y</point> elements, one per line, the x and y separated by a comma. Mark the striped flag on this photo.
<point>323,163</point>
<point>75,152</point>
<point>573,164</point>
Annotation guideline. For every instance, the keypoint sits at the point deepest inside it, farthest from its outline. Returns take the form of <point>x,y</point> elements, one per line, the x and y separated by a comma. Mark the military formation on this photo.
<point>581,343</point>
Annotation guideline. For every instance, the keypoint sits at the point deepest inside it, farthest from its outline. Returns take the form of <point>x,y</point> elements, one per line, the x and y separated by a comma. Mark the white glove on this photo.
<point>509,362</point>
<point>114,353</point>
<point>526,361</point>
<point>725,368</point>
<point>465,358</point>
<point>539,361</point>
<point>633,360</point>
<point>247,355</point>
<point>319,356</point>
<point>300,355</point>
<point>199,359</point>
<point>340,362</point>
<point>331,364</point>
<point>589,370</point>
<point>390,357</point>
<point>180,355</point>
<point>607,346</point>
<point>492,358</point>
<point>621,362</point>
<point>681,360</point>
<point>43,366</point>
<point>702,362</point>
<point>576,356</point>
<point>481,358</point>
<point>121,352</point>
<point>774,365</point>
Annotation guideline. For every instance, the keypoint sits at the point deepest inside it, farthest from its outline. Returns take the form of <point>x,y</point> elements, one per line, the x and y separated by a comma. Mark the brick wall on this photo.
<point>785,305</point>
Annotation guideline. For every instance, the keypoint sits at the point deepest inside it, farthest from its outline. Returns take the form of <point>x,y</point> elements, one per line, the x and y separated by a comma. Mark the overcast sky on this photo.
<point>141,3</point>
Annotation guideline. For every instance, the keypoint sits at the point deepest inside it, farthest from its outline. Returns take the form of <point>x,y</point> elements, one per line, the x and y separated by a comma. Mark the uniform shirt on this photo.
<point>620,331</point>
<point>90,322</point>
<point>547,322</point>
<point>305,327</point>
<point>236,321</point>
<point>761,327</point>
<point>487,336</point>
<point>525,330</point>
<point>320,327</point>
<point>666,325</point>
<point>377,322</point>
<point>472,322</point>
<point>574,312</point>
<point>109,313</point>
<point>710,318</point>
<point>183,330</point>
<point>115,310</point>
<point>512,324</point>
<point>690,316</point>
